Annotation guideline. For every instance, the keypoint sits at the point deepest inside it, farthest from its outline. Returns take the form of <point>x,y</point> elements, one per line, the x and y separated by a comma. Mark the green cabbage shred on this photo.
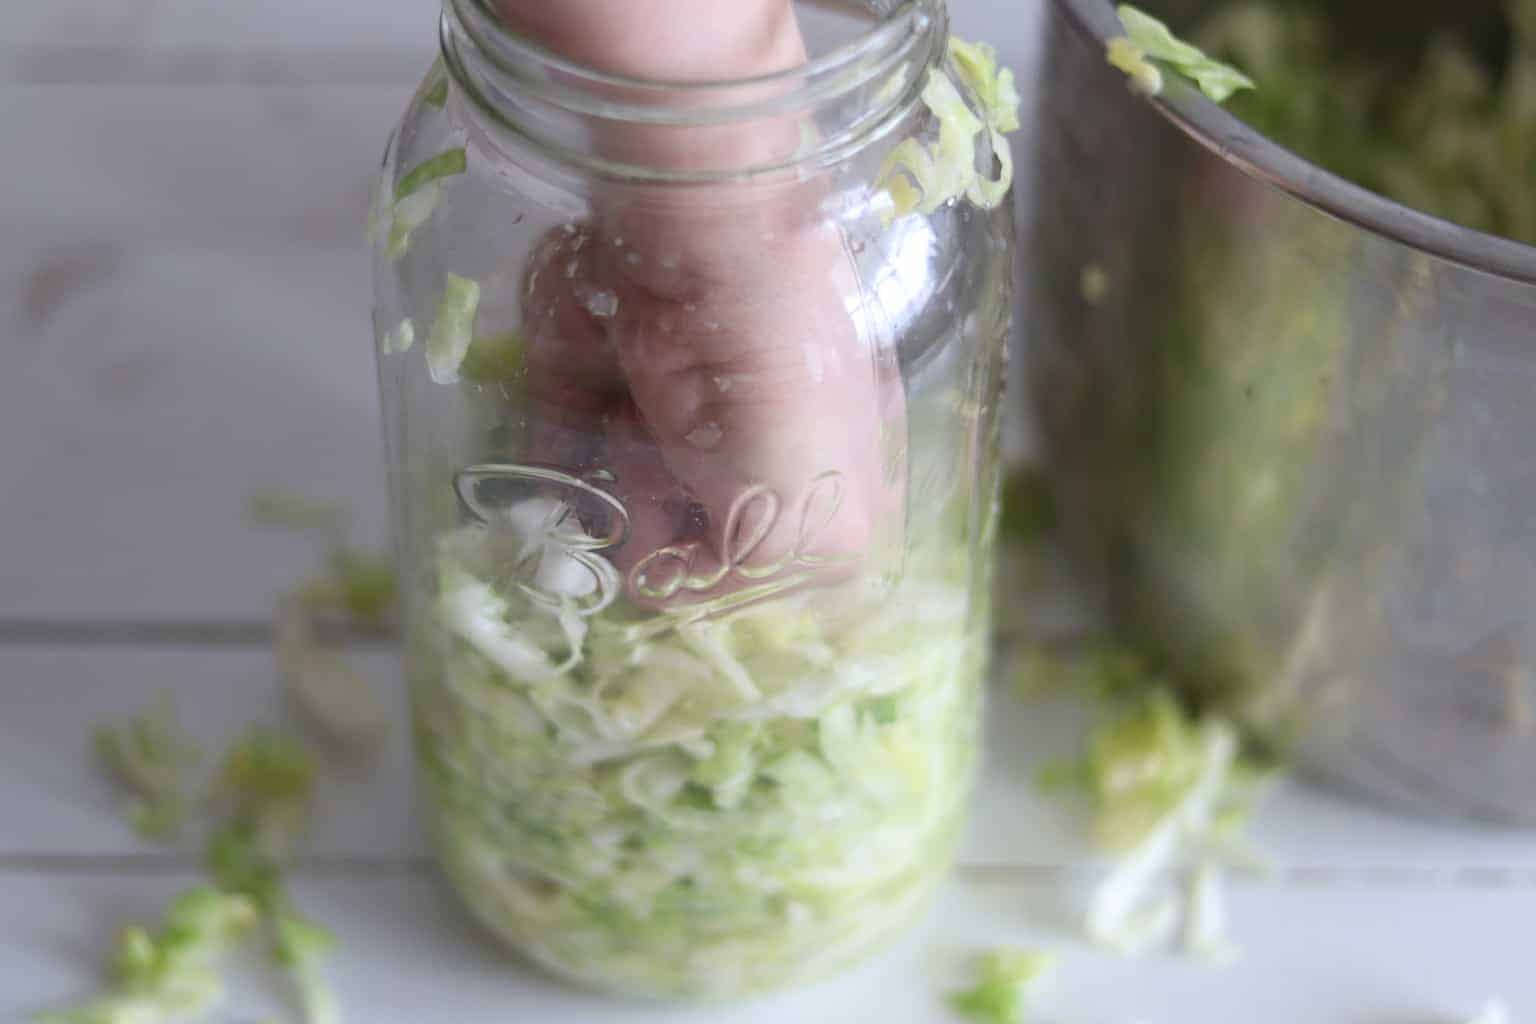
<point>436,95</point>
<point>416,196</point>
<point>444,165</point>
<point>356,583</point>
<point>263,792</point>
<point>453,330</point>
<point>324,687</point>
<point>495,359</point>
<point>1168,790</point>
<point>922,178</point>
<point>172,973</point>
<point>356,587</point>
<point>1005,980</point>
<point>150,757</point>
<point>268,783</point>
<point>1148,44</point>
<point>399,339</point>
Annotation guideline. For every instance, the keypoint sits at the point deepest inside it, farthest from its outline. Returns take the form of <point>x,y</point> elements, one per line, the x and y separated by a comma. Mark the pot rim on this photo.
<point>1259,157</point>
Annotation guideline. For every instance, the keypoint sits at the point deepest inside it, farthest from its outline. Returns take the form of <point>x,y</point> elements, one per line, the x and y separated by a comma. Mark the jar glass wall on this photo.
<point>691,407</point>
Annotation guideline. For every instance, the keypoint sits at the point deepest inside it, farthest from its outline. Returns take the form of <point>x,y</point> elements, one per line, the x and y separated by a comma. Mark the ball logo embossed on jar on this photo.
<point>753,516</point>
<point>566,522</point>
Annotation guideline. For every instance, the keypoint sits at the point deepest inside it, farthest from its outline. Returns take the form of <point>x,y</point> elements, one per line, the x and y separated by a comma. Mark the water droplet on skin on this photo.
<point>723,384</point>
<point>711,325</point>
<point>599,302</point>
<point>705,435</point>
<point>570,270</point>
<point>669,263</point>
<point>618,241</point>
<point>632,258</point>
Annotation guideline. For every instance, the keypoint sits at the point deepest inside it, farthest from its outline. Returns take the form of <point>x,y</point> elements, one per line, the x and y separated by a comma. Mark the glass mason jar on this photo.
<point>691,405</point>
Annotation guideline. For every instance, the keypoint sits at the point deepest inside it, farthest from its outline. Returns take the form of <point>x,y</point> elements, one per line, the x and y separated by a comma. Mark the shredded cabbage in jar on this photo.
<point>686,806</point>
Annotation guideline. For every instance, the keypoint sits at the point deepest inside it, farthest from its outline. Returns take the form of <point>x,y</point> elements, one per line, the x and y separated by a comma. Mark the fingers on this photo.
<point>753,390</point>
<point>698,350</point>
<point>573,373</point>
<point>741,417</point>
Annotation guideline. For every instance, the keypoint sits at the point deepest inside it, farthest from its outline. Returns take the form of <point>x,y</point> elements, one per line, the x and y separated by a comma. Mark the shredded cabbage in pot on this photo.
<point>1148,40</point>
<point>692,807</point>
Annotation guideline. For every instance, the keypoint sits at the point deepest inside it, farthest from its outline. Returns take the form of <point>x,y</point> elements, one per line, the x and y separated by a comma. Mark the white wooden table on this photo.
<point>183,306</point>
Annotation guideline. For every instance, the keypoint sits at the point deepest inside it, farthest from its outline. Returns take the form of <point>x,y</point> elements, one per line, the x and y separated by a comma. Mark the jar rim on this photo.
<point>481,19</point>
<point>526,88</point>
<point>1258,156</point>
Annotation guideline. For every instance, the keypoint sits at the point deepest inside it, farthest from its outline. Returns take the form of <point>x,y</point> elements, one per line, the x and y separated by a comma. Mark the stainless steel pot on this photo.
<point>1292,426</point>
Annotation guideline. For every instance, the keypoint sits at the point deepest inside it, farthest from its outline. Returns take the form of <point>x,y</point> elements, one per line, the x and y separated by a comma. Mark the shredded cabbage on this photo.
<point>444,165</point>
<point>1132,59</point>
<point>301,947</point>
<point>495,359</point>
<point>355,583</point>
<point>267,785</point>
<point>1094,284</point>
<point>1147,40</point>
<point>919,178</point>
<point>262,793</point>
<point>1167,789</point>
<point>399,339</point>
<point>436,95</point>
<point>151,757</point>
<point>994,88</point>
<point>1005,979</point>
<point>171,974</point>
<point>1205,926</point>
<point>267,782</point>
<point>692,806</point>
<point>454,328</point>
<point>1450,130</point>
<point>416,197</point>
<point>323,685</point>
<point>407,215</point>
